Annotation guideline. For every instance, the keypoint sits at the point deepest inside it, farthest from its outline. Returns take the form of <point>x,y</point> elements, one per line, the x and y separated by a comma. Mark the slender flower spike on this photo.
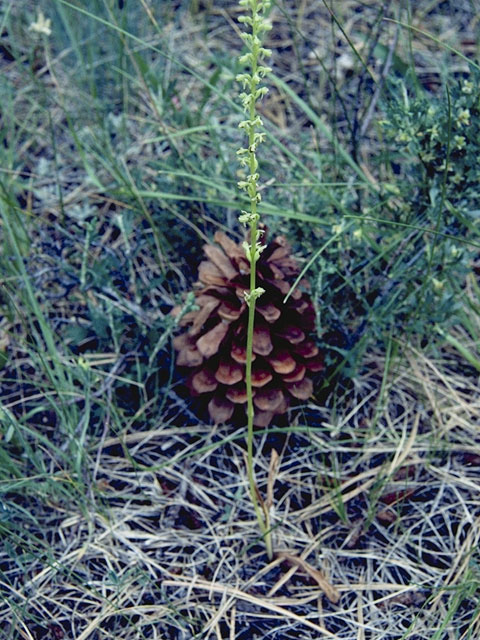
<point>246,345</point>
<point>255,335</point>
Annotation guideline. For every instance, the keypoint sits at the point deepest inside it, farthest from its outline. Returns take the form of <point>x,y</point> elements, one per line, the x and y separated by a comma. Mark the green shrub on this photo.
<point>398,265</point>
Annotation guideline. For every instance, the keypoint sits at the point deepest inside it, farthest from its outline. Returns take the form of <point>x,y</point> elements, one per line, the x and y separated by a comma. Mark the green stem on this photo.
<point>250,410</point>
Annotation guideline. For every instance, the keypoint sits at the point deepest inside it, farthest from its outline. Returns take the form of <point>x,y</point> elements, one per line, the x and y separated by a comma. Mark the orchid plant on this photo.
<point>255,20</point>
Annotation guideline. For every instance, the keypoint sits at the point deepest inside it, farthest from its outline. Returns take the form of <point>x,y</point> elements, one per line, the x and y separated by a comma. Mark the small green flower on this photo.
<point>457,178</point>
<point>463,117</point>
<point>467,87</point>
<point>455,252</point>
<point>403,136</point>
<point>253,295</point>
<point>392,188</point>
<point>41,25</point>
<point>433,131</point>
<point>83,363</point>
<point>427,156</point>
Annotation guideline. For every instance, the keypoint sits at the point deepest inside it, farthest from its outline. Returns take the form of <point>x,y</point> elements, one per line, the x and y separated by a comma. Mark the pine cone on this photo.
<point>214,347</point>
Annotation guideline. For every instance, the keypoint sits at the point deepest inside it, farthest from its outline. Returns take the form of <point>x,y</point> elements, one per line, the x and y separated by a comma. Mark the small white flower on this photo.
<point>455,252</point>
<point>457,178</point>
<point>42,25</point>
<point>434,131</point>
<point>463,116</point>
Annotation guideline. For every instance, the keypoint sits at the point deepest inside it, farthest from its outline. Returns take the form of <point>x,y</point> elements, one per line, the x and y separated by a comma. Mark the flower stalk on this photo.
<point>252,93</point>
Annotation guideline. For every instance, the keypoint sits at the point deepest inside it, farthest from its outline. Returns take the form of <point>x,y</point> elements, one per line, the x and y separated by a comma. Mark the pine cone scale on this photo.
<point>282,362</point>
<point>203,382</point>
<point>261,377</point>
<point>209,343</point>
<point>229,373</point>
<point>238,394</point>
<point>220,260</point>
<point>262,342</point>
<point>239,354</point>
<point>202,316</point>
<point>220,410</point>
<point>293,334</point>
<point>268,399</point>
<point>270,313</point>
<point>297,374</point>
<point>301,390</point>
<point>307,349</point>
<point>210,274</point>
<point>230,312</point>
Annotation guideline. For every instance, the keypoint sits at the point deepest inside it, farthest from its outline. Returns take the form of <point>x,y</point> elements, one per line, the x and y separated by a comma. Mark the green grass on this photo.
<point>122,514</point>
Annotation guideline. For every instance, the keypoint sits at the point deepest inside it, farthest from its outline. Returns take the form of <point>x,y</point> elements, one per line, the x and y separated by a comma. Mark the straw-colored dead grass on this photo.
<point>375,514</point>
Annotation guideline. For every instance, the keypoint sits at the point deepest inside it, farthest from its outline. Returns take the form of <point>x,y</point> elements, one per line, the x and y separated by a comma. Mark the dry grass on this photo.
<point>168,546</point>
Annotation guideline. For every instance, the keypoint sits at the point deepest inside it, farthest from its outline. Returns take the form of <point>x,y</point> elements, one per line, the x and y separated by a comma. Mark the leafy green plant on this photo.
<point>395,268</point>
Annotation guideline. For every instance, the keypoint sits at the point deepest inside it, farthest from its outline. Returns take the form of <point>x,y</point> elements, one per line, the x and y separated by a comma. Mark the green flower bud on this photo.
<point>253,295</point>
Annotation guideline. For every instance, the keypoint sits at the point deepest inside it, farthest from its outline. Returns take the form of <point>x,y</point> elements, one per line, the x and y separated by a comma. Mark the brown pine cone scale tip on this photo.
<point>214,345</point>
